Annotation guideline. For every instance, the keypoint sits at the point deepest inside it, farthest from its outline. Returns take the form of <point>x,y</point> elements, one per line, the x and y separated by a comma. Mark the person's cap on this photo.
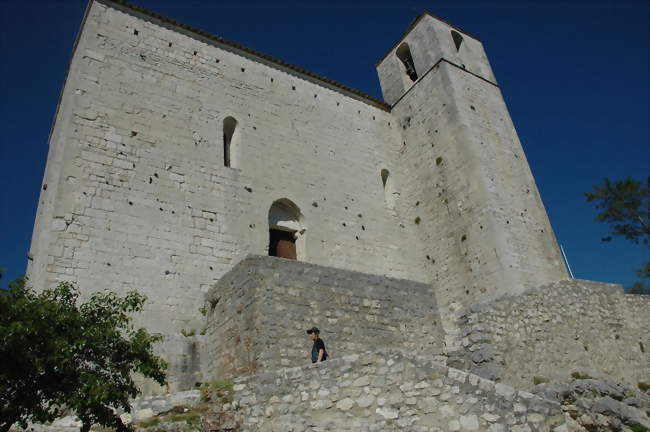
<point>313,330</point>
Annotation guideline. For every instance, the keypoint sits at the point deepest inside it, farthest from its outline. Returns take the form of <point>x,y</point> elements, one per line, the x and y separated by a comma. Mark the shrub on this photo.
<point>220,388</point>
<point>539,380</point>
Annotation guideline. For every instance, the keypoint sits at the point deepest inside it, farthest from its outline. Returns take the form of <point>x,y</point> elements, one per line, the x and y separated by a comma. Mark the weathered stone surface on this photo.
<point>387,412</point>
<point>403,405</point>
<point>469,422</point>
<point>409,405</point>
<point>365,401</point>
<point>345,404</point>
<point>185,398</point>
<point>599,405</point>
<point>554,330</point>
<point>263,299</point>
<point>143,414</point>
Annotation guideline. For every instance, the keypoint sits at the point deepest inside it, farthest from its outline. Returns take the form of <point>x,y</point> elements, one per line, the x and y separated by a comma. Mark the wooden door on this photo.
<point>282,244</point>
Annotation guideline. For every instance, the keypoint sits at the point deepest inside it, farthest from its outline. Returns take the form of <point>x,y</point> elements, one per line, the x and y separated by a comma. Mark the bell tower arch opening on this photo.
<point>286,230</point>
<point>403,53</point>
<point>458,39</point>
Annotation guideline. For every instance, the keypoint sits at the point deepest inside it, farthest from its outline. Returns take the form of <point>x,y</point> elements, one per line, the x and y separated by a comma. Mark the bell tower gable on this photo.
<point>426,42</point>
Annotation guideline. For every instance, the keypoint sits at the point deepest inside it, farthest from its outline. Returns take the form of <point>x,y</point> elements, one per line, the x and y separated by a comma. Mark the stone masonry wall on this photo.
<point>136,194</point>
<point>386,390</point>
<point>470,193</point>
<point>555,330</point>
<point>259,311</point>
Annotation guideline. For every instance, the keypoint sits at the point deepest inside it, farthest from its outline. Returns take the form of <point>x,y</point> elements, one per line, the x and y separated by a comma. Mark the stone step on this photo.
<point>386,390</point>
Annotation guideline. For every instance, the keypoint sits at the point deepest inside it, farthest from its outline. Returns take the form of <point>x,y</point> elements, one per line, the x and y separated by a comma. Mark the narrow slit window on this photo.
<point>403,53</point>
<point>458,39</point>
<point>390,196</point>
<point>384,177</point>
<point>229,127</point>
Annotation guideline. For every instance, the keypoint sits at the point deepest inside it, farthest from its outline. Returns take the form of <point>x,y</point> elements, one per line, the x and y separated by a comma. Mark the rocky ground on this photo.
<point>207,408</point>
<point>595,405</point>
<point>211,411</point>
<point>590,405</point>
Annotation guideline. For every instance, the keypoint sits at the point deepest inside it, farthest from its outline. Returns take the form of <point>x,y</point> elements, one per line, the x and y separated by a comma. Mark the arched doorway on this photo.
<point>286,230</point>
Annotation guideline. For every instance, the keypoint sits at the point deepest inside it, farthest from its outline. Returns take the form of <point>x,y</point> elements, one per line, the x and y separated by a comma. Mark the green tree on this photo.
<point>639,287</point>
<point>58,355</point>
<point>625,206</point>
<point>18,282</point>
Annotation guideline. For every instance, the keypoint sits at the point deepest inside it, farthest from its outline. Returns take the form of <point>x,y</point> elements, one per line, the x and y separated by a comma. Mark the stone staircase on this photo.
<point>386,390</point>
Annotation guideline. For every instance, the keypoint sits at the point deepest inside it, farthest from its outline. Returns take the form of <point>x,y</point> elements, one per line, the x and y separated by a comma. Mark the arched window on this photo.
<point>403,53</point>
<point>390,196</point>
<point>286,230</point>
<point>458,39</point>
<point>229,132</point>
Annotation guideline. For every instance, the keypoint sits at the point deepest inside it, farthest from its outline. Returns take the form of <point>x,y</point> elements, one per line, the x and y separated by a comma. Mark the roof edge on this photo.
<point>412,26</point>
<point>247,52</point>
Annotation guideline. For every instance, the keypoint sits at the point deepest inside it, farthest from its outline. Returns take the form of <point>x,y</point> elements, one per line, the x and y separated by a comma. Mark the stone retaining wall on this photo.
<point>549,332</point>
<point>142,408</point>
<point>386,390</point>
<point>259,311</point>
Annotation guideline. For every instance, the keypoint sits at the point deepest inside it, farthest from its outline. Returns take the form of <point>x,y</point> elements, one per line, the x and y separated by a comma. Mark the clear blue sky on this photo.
<point>574,75</point>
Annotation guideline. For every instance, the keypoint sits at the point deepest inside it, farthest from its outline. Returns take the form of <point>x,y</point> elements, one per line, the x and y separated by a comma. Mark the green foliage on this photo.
<point>643,386</point>
<point>638,428</point>
<point>189,415</point>
<point>638,287</point>
<point>539,380</point>
<point>18,282</point>
<point>644,272</point>
<point>625,207</point>
<point>579,375</point>
<point>438,160</point>
<point>58,354</point>
<point>218,388</point>
<point>150,423</point>
<point>188,333</point>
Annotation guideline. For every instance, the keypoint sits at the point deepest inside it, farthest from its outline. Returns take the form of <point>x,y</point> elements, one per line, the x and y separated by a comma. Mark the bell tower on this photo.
<point>428,41</point>
<point>483,226</point>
